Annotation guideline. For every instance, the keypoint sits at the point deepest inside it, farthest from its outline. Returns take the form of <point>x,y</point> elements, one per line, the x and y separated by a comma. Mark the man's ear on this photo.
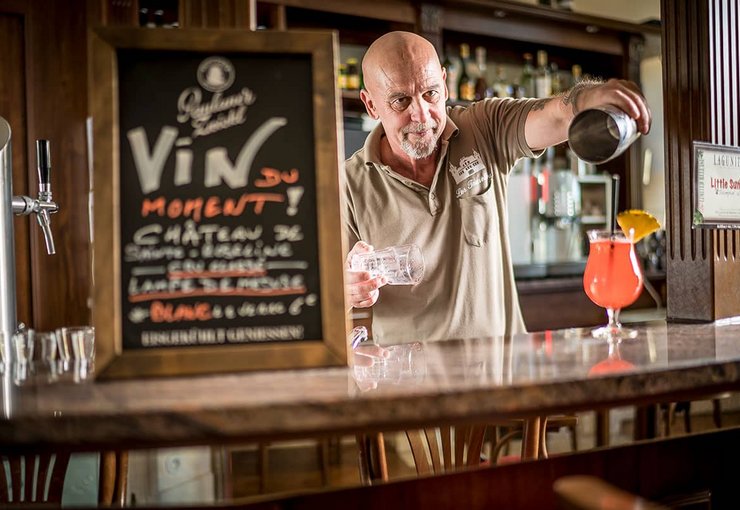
<point>444,80</point>
<point>369,104</point>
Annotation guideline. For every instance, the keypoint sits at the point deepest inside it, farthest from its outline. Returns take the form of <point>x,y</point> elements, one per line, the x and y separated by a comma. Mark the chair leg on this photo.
<point>602,428</point>
<point>322,449</point>
<point>263,466</point>
<point>717,412</point>
<point>687,417</point>
<point>574,437</point>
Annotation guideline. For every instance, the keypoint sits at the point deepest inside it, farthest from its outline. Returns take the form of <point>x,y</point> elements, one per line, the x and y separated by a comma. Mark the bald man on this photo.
<point>436,176</point>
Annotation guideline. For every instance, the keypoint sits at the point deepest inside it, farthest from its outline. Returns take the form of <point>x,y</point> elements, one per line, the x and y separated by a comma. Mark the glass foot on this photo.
<point>610,332</point>
<point>613,330</point>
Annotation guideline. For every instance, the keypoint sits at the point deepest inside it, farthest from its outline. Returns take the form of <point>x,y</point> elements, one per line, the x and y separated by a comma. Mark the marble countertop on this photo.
<point>434,382</point>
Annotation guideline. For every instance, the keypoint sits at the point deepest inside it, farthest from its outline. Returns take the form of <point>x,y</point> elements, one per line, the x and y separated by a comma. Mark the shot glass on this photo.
<point>401,265</point>
<point>76,347</point>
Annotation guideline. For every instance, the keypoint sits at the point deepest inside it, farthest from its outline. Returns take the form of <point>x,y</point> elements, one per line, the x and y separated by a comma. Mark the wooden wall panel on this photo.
<point>12,109</point>
<point>218,14</point>
<point>700,76</point>
<point>53,105</point>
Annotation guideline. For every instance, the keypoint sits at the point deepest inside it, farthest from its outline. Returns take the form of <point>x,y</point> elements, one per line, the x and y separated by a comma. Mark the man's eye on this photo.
<point>401,103</point>
<point>431,95</point>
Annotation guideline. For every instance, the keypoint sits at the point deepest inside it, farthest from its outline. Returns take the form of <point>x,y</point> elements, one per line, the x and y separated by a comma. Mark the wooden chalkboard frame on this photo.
<point>112,360</point>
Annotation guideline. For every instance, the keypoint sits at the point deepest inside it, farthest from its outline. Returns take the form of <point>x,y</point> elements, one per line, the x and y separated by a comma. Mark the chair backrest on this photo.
<point>441,449</point>
<point>32,479</point>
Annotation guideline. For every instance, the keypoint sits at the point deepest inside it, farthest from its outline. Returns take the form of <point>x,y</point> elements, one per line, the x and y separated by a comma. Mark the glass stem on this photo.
<point>613,315</point>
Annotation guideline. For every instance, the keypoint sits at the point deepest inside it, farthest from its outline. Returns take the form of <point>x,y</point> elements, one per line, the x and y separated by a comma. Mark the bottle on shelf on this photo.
<point>342,77</point>
<point>482,90</point>
<point>353,74</point>
<point>527,79</point>
<point>452,73</point>
<point>542,76</point>
<point>501,86</point>
<point>465,83</point>
<point>557,82</point>
<point>576,72</point>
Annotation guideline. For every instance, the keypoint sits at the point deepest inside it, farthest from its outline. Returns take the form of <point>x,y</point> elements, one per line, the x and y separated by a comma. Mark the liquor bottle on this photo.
<point>501,86</point>
<point>542,76</point>
<point>557,83</point>
<point>527,79</point>
<point>342,77</point>
<point>465,84</point>
<point>576,72</point>
<point>353,74</point>
<point>481,85</point>
<point>452,74</point>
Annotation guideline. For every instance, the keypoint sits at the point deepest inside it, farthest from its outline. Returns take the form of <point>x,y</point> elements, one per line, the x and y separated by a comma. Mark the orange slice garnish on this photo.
<point>642,223</point>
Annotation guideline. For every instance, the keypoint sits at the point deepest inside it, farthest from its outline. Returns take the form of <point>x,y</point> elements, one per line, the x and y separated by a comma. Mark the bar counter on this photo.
<point>426,383</point>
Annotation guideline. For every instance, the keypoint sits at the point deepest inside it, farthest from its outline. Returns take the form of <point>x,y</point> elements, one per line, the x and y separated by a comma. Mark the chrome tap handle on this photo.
<point>43,158</point>
<point>45,205</point>
<point>44,220</point>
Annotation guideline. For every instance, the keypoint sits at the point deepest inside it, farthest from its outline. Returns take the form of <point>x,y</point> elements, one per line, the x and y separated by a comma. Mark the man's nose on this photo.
<point>420,110</point>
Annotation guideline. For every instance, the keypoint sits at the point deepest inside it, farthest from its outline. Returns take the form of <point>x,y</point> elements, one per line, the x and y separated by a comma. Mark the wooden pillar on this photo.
<point>701,75</point>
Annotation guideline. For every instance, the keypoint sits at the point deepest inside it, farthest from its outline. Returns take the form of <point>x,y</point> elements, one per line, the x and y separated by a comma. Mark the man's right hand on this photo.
<point>361,288</point>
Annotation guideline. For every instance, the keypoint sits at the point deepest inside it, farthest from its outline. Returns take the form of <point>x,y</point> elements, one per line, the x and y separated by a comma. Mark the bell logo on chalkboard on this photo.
<point>215,74</point>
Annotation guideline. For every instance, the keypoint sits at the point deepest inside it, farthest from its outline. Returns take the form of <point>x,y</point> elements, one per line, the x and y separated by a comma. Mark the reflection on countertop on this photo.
<point>484,378</point>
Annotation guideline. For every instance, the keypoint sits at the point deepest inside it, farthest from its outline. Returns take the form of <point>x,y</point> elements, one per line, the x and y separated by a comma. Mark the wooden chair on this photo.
<point>38,479</point>
<point>434,450</point>
<point>590,493</point>
<point>443,449</point>
<point>34,479</point>
<point>505,432</point>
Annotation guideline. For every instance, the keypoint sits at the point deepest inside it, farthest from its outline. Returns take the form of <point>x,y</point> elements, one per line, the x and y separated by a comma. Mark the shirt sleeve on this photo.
<point>503,122</point>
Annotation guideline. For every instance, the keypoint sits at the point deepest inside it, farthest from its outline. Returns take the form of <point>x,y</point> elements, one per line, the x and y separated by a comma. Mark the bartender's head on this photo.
<point>405,89</point>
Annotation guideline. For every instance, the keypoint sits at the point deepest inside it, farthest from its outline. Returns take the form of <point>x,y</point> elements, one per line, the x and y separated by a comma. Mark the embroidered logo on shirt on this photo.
<point>469,175</point>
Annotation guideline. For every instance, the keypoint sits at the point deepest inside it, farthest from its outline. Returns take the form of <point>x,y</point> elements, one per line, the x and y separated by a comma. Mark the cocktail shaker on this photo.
<point>597,135</point>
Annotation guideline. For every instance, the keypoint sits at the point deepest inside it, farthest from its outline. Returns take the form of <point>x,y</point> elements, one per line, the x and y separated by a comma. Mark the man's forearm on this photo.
<point>548,120</point>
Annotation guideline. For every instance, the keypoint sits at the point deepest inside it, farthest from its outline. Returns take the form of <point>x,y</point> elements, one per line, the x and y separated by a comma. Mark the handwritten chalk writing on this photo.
<point>138,298</point>
<point>197,208</point>
<point>294,196</point>
<point>272,177</point>
<point>215,274</point>
<point>147,289</point>
<point>248,250</point>
<point>135,253</point>
<point>218,167</point>
<point>192,234</point>
<point>150,165</point>
<point>288,233</point>
<point>167,312</point>
<point>296,307</point>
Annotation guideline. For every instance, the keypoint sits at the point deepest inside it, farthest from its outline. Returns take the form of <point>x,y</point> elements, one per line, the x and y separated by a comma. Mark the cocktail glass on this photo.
<point>612,279</point>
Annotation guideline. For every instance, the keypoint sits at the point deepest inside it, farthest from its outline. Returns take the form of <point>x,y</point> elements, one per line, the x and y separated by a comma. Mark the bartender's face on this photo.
<point>408,96</point>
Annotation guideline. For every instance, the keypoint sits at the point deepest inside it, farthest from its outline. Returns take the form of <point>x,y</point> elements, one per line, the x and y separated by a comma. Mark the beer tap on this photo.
<point>43,206</point>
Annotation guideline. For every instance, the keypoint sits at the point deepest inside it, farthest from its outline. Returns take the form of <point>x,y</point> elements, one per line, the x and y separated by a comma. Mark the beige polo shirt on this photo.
<point>459,222</point>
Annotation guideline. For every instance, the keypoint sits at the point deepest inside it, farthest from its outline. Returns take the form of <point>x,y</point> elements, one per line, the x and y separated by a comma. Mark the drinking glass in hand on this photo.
<point>401,265</point>
<point>612,279</point>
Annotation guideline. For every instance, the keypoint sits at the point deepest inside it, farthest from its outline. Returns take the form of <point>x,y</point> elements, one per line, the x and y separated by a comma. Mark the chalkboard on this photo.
<point>217,234</point>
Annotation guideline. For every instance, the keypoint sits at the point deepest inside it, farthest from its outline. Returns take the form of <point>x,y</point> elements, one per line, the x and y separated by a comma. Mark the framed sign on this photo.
<point>716,186</point>
<point>217,235</point>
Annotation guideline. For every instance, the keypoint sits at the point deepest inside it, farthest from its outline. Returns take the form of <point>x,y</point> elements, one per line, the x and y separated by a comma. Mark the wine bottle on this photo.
<point>481,85</point>
<point>527,79</point>
<point>542,76</point>
<point>452,73</point>
<point>465,84</point>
